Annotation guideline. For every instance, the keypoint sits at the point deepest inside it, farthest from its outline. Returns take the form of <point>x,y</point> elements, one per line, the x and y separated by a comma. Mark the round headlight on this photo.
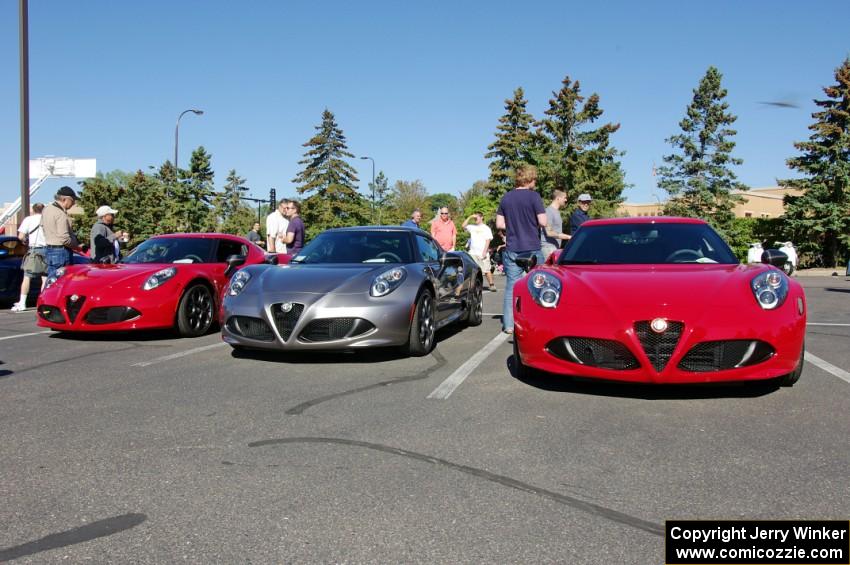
<point>768,298</point>
<point>538,280</point>
<point>549,297</point>
<point>774,279</point>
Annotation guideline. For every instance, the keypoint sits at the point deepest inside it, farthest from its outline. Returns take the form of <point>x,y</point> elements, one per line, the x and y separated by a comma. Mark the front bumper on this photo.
<point>101,313</point>
<point>627,357</point>
<point>257,321</point>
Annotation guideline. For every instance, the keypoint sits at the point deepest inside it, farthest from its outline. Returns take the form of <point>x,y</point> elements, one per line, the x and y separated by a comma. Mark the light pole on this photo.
<point>373,187</point>
<point>177,130</point>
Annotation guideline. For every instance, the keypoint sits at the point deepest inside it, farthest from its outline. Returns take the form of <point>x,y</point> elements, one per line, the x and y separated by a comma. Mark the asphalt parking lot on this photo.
<point>146,448</point>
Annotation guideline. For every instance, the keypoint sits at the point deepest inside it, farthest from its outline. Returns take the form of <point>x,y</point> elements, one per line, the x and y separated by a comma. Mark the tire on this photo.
<point>422,328</point>
<point>521,371</point>
<point>195,311</point>
<point>794,376</point>
<point>475,305</point>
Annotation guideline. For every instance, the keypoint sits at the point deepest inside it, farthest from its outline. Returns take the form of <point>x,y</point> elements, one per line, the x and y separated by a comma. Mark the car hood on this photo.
<point>674,291</point>
<point>99,277</point>
<point>319,279</point>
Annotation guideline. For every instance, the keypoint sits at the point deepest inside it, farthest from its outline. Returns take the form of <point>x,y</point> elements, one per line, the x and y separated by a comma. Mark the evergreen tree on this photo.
<point>327,182</point>
<point>382,195</point>
<point>103,189</point>
<point>819,219</point>
<point>143,205</point>
<point>229,214</point>
<point>698,176</point>
<point>573,156</point>
<point>195,191</point>
<point>513,144</point>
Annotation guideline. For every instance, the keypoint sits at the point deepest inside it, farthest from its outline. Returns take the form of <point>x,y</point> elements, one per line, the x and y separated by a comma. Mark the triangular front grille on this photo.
<point>659,346</point>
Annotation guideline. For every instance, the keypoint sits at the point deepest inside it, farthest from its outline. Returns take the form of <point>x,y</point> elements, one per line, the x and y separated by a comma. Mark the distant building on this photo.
<point>758,203</point>
<point>11,226</point>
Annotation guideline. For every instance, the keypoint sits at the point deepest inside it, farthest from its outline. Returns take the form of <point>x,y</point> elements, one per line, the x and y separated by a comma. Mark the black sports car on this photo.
<point>12,252</point>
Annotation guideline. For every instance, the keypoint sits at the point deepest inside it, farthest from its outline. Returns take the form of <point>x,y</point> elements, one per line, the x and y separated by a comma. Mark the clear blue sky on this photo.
<point>419,86</point>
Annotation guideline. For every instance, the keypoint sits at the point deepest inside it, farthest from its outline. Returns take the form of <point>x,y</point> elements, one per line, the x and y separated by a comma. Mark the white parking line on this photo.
<point>448,386</point>
<point>825,324</point>
<point>178,355</point>
<point>828,367</point>
<point>23,335</point>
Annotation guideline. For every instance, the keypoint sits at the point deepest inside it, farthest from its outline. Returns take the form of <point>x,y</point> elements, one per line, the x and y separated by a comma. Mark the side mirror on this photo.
<point>527,262</point>
<point>271,259</point>
<point>774,257</point>
<point>553,257</point>
<point>233,263</point>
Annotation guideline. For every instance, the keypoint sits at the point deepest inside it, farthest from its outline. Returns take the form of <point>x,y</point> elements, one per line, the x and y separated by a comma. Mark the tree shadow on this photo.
<point>616,389</point>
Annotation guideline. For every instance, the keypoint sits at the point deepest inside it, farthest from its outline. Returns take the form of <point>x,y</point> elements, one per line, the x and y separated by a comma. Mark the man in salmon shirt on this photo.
<point>444,231</point>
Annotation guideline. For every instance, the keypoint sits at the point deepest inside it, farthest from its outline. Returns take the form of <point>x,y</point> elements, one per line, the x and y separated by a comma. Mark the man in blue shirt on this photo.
<point>521,214</point>
<point>580,215</point>
<point>415,219</point>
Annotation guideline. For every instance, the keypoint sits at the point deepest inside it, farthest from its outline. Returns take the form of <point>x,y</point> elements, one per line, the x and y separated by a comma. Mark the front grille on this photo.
<point>285,321</point>
<point>603,353</point>
<point>51,314</point>
<point>722,355</point>
<point>659,346</point>
<point>329,329</point>
<point>73,307</point>
<point>253,328</point>
<point>111,315</point>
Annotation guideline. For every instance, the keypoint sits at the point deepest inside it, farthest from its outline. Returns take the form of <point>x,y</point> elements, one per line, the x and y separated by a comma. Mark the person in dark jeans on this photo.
<point>521,214</point>
<point>59,237</point>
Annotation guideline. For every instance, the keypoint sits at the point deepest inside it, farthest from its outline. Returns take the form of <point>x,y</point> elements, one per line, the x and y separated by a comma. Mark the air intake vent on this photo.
<point>329,329</point>
<point>286,321</point>
<point>659,346</point>
<point>712,356</point>
<point>602,353</point>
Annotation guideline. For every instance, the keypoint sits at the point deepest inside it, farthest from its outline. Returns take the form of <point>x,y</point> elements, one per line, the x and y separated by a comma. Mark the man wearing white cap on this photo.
<point>580,215</point>
<point>104,241</point>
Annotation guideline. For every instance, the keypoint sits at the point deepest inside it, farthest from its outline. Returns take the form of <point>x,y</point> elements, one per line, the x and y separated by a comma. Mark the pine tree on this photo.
<point>196,191</point>
<point>104,189</point>
<point>571,155</point>
<point>382,195</point>
<point>327,182</point>
<point>512,146</point>
<point>229,214</point>
<point>698,177</point>
<point>143,205</point>
<point>819,219</point>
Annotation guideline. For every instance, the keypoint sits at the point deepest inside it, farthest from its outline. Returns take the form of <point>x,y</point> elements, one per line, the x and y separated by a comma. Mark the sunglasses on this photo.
<point>444,213</point>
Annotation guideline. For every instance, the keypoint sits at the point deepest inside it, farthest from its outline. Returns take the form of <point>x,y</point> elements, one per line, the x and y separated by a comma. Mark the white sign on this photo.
<point>62,167</point>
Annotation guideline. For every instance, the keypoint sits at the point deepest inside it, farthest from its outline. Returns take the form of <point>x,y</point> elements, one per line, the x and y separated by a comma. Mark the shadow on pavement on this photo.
<point>847,290</point>
<point>577,385</point>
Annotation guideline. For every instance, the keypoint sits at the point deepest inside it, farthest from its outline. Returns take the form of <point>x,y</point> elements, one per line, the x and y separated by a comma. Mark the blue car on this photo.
<point>12,251</point>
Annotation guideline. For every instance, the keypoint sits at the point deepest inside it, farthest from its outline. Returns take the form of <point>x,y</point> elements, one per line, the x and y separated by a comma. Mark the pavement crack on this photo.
<point>578,504</point>
<point>424,374</point>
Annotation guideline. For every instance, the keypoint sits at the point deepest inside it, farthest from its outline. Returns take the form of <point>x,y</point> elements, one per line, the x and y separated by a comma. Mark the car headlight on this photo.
<point>51,280</point>
<point>545,288</point>
<point>770,289</point>
<point>387,281</point>
<point>159,277</point>
<point>238,282</point>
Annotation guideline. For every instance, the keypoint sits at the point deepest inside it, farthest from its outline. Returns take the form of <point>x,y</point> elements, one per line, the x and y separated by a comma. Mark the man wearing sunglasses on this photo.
<point>443,230</point>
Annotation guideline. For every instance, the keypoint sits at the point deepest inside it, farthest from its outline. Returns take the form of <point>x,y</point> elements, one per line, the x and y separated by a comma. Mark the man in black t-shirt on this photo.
<point>294,237</point>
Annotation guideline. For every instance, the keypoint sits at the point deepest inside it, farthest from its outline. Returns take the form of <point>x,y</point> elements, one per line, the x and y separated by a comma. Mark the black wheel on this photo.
<point>422,327</point>
<point>195,311</point>
<point>794,376</point>
<point>474,305</point>
<point>521,370</point>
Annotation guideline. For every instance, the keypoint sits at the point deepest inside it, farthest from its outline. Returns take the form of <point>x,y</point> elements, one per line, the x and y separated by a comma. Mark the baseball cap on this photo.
<point>104,210</point>
<point>67,191</point>
<point>584,197</point>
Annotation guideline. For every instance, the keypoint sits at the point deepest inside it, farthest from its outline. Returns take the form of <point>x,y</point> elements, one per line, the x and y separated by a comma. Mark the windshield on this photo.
<point>173,250</point>
<point>659,243</point>
<point>357,247</point>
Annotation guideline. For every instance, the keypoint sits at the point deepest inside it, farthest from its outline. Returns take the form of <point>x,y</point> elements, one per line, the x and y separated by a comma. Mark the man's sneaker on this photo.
<point>18,307</point>
<point>493,289</point>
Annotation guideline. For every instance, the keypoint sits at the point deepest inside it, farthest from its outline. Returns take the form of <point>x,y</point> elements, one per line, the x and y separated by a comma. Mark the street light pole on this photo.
<point>177,130</point>
<point>23,39</point>
<point>373,187</point>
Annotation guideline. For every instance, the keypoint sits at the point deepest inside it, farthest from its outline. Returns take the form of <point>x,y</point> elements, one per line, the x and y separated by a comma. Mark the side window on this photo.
<point>226,248</point>
<point>428,249</point>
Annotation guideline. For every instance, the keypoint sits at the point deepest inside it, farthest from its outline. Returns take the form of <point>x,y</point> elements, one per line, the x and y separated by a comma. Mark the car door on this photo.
<point>444,273</point>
